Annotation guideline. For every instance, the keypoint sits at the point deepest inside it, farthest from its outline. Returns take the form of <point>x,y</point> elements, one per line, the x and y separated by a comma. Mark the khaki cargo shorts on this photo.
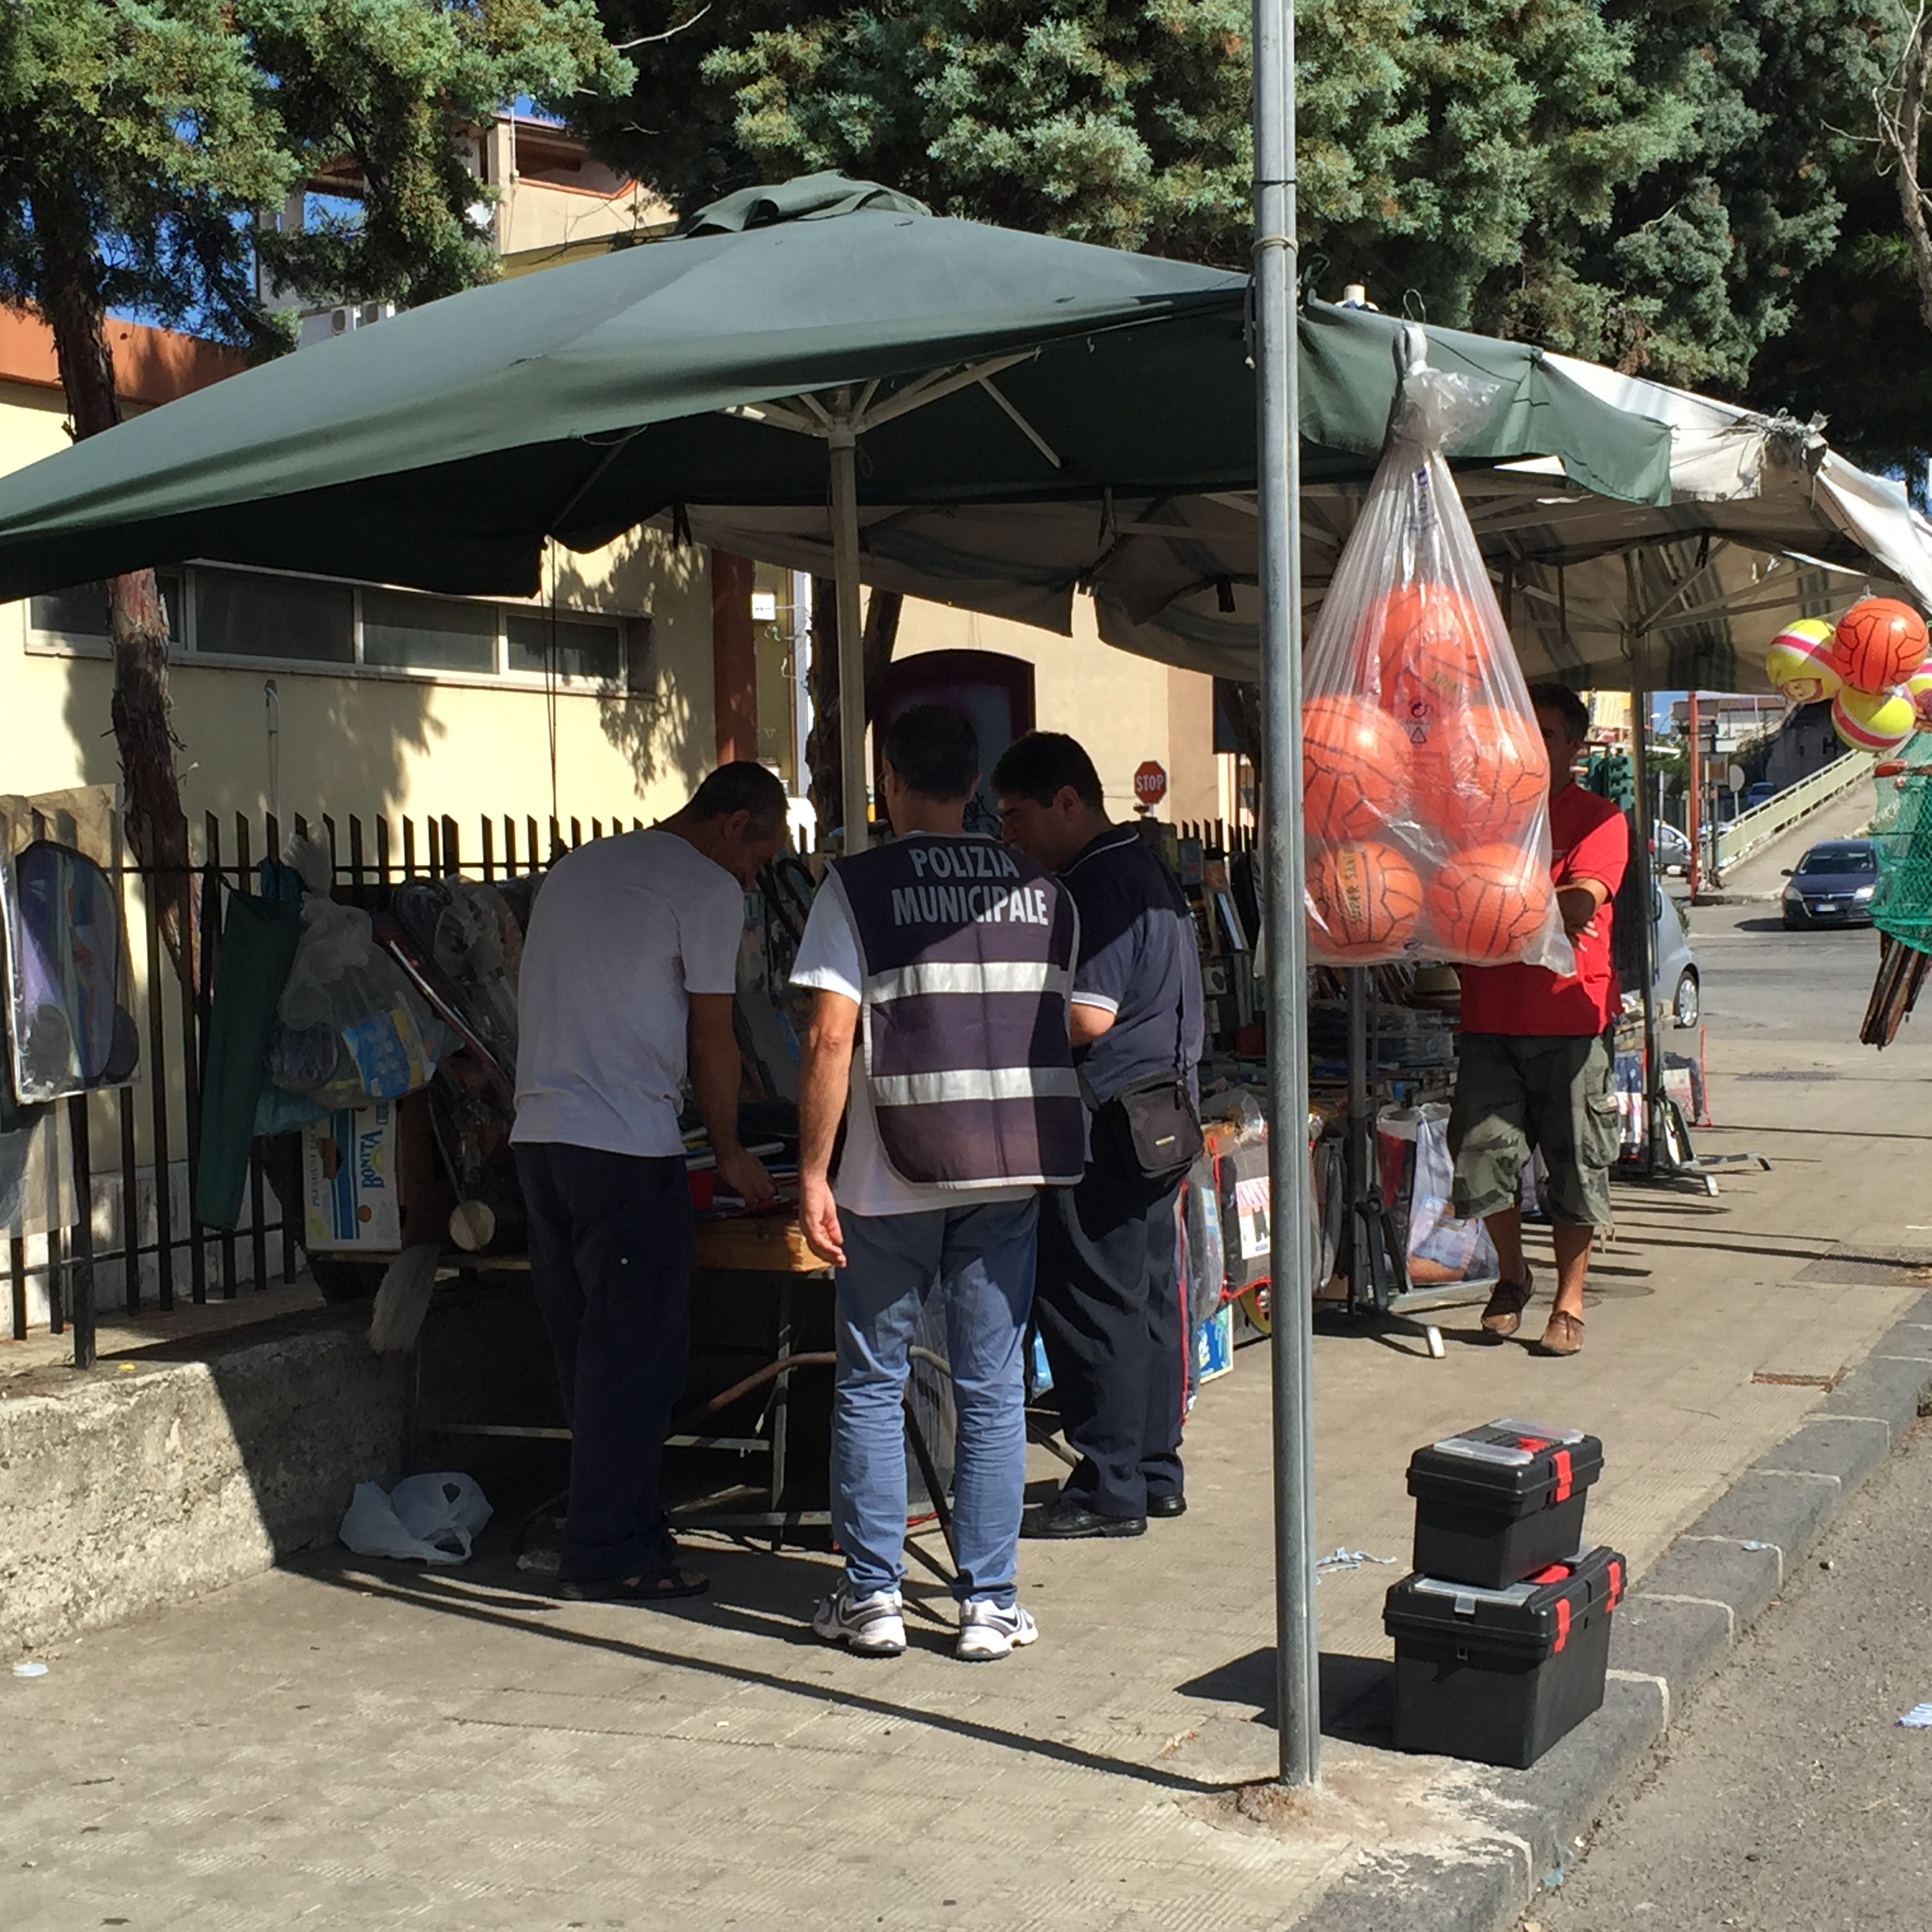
<point>1549,1092</point>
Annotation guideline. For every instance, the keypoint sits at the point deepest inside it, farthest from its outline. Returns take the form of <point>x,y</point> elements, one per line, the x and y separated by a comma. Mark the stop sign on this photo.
<point>1150,783</point>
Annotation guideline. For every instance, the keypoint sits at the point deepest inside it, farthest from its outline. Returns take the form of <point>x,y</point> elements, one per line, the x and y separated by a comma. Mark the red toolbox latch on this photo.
<point>1563,1479</point>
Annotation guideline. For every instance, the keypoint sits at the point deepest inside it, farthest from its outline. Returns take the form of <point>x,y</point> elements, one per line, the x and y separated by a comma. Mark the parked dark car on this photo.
<point>1833,885</point>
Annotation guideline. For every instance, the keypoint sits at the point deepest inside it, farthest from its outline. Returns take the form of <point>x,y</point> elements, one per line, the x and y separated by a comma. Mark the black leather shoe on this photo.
<point>1063,1517</point>
<point>1174,1505</point>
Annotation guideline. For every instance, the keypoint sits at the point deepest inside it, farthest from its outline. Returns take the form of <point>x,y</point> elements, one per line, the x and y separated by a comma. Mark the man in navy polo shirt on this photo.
<point>1108,1293</point>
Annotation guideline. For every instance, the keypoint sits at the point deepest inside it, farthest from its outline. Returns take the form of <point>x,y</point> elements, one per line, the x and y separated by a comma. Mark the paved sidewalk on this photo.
<point>363,1744</point>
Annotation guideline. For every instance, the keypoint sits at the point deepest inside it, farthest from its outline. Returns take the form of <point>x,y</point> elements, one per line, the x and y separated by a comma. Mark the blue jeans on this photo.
<point>980,1259</point>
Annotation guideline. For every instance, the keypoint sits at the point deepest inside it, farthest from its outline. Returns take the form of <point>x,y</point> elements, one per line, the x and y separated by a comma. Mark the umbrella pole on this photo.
<point>855,794</point>
<point>1649,887</point>
<point>1297,1675</point>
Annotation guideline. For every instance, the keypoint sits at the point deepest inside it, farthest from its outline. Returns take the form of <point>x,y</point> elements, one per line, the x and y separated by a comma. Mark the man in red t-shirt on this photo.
<point>1534,1056</point>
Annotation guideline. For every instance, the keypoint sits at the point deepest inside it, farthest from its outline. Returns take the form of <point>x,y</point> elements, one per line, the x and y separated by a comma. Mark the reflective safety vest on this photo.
<point>966,949</point>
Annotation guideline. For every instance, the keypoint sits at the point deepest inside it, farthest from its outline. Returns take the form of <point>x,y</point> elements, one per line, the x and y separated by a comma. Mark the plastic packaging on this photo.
<point>1441,1248</point>
<point>69,1028</point>
<point>430,1518</point>
<point>1207,1258</point>
<point>1425,784</point>
<point>351,1029</point>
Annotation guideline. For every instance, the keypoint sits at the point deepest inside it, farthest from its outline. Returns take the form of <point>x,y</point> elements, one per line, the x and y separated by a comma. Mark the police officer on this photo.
<point>938,1033</point>
<point>1109,1298</point>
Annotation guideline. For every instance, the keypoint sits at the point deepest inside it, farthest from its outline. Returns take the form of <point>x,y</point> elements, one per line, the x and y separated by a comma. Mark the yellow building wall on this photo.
<point>1123,709</point>
<point>363,743</point>
<point>533,214</point>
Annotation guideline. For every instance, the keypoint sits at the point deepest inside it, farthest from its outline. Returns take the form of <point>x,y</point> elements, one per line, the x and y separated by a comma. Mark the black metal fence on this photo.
<point>144,1138</point>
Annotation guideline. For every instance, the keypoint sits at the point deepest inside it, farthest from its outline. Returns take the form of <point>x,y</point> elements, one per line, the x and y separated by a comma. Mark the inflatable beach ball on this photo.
<point>1919,689</point>
<point>1800,661</point>
<point>1873,721</point>
<point>1880,643</point>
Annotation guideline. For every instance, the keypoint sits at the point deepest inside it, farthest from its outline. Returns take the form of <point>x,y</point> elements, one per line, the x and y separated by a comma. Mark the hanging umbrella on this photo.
<point>824,338</point>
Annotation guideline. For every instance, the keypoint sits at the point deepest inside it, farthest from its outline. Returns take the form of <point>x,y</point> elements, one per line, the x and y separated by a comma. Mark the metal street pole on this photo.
<point>1297,1680</point>
<point>855,798</point>
<point>1693,791</point>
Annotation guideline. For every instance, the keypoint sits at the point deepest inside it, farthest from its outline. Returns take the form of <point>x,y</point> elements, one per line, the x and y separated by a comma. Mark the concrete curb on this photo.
<point>1672,1630</point>
<point>143,1482</point>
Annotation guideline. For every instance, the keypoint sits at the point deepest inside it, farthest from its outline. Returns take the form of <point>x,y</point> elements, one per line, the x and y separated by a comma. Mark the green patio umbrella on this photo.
<point>824,341</point>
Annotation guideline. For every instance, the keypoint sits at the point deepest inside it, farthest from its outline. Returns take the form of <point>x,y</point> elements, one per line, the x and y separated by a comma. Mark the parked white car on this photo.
<point>1670,848</point>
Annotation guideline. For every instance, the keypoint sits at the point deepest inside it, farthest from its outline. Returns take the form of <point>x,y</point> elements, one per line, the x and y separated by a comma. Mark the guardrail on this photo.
<point>1749,830</point>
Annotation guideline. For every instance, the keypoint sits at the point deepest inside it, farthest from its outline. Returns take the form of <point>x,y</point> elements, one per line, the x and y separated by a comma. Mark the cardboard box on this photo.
<point>351,1196</point>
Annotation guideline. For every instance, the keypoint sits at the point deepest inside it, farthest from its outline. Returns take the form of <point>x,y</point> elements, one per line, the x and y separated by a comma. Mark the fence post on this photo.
<point>191,1068</point>
<point>158,1099</point>
<point>130,1185</point>
<point>82,1262</point>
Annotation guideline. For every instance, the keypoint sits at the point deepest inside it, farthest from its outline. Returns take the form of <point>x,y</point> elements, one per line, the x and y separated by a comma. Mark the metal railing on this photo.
<point>123,1163</point>
<point>1750,829</point>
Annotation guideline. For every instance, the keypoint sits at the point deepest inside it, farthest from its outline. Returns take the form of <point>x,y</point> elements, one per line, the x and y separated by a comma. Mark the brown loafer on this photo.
<point>1563,1336</point>
<point>1503,1315</point>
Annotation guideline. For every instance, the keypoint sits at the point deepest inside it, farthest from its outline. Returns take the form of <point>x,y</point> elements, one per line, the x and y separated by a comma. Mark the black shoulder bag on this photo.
<point>1151,1122</point>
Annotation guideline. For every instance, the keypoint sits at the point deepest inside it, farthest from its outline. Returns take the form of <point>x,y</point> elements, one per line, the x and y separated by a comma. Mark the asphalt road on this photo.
<point>1758,978</point>
<point>1787,1798</point>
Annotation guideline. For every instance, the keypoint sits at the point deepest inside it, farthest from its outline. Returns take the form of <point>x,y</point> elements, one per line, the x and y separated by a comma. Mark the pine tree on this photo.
<point>1642,184</point>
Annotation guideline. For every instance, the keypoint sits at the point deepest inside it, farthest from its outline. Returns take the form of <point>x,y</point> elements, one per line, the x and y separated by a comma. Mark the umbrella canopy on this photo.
<point>1759,522</point>
<point>441,449</point>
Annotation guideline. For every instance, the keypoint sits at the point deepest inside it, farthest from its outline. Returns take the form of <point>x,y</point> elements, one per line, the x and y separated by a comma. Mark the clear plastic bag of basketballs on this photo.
<point>1425,789</point>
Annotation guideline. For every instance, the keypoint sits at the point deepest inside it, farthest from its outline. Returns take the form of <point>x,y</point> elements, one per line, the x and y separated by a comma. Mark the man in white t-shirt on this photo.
<point>938,1034</point>
<point>628,975</point>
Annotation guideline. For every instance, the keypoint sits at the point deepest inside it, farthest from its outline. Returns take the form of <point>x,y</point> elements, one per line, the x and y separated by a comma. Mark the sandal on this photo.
<point>667,1585</point>
<point>1503,1315</point>
<point>1563,1336</point>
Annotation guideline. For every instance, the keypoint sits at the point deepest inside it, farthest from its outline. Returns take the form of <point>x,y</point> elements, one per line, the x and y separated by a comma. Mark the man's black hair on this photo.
<point>1568,705</point>
<point>1040,765</point>
<point>742,786</point>
<point>935,751</point>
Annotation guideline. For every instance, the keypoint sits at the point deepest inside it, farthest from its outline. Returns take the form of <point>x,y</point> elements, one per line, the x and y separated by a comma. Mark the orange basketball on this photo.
<point>1880,643</point>
<point>1364,901</point>
<point>1354,768</point>
<point>1487,904</point>
<point>1489,772</point>
<point>1430,644</point>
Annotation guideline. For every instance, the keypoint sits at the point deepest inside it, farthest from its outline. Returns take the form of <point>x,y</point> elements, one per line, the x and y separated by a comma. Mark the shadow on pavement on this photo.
<point>738,1603</point>
<point>1357,1694</point>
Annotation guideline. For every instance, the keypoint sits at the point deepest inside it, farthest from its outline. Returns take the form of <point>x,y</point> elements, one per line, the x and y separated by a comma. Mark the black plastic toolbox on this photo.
<point>1499,1675</point>
<point>1497,1503</point>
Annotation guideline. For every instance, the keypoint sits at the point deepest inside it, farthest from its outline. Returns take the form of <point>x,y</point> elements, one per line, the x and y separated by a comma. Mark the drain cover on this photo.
<point>1819,1073</point>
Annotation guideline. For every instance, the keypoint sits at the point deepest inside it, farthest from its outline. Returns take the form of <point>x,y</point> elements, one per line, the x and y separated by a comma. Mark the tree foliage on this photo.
<point>140,139</point>
<point>1641,183</point>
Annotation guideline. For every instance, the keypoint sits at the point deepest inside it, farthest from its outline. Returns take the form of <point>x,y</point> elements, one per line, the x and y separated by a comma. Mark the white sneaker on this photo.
<point>873,1626</point>
<point>987,1632</point>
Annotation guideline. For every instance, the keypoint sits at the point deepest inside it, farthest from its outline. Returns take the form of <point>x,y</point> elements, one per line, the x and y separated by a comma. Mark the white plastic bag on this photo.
<point>1425,784</point>
<point>1441,1248</point>
<point>430,1518</point>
